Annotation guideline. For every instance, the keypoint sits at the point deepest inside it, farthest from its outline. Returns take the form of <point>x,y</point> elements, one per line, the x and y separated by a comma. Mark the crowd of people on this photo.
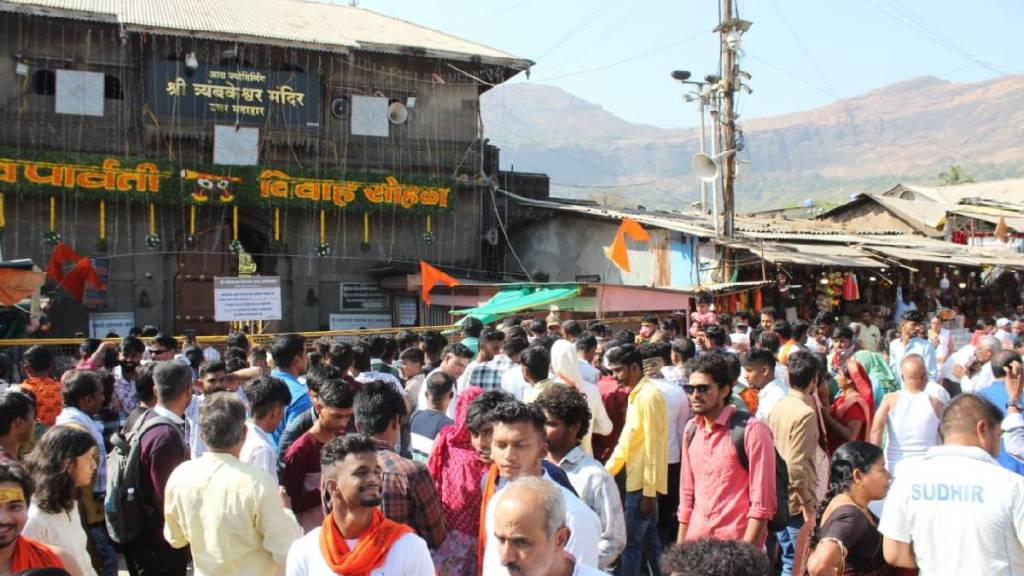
<point>735,445</point>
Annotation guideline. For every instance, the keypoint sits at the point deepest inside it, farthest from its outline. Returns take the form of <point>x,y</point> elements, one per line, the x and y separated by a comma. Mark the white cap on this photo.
<point>1003,322</point>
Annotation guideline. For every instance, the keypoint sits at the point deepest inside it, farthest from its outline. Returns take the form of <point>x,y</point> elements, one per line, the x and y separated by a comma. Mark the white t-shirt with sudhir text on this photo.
<point>961,511</point>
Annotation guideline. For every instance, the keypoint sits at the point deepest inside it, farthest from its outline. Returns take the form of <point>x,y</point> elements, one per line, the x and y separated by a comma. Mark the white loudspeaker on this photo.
<point>398,113</point>
<point>705,167</point>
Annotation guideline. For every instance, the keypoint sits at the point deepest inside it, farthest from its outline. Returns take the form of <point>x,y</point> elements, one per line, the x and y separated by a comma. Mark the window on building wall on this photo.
<point>112,88</point>
<point>44,82</point>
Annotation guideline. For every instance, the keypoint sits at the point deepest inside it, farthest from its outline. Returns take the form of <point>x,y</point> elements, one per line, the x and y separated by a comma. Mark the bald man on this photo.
<point>956,511</point>
<point>987,347</point>
<point>531,543</point>
<point>909,417</point>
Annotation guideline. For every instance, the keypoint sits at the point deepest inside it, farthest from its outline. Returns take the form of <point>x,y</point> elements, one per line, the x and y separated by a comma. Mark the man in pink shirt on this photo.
<point>719,497</point>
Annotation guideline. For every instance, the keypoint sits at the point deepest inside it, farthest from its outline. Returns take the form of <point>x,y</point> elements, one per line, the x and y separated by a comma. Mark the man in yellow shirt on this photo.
<point>229,512</point>
<point>642,452</point>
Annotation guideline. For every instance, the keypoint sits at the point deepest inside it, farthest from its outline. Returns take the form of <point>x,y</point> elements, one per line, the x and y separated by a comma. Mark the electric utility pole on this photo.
<point>730,31</point>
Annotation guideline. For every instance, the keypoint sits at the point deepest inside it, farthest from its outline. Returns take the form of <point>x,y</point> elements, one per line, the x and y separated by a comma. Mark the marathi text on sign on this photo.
<point>277,184</point>
<point>218,93</point>
<point>110,176</point>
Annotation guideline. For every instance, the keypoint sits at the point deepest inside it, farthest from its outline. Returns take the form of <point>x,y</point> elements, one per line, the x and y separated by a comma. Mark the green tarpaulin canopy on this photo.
<point>511,300</point>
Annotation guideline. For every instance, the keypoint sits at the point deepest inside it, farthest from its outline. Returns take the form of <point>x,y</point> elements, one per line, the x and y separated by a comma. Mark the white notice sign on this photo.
<point>103,323</point>
<point>245,299</point>
<point>357,321</point>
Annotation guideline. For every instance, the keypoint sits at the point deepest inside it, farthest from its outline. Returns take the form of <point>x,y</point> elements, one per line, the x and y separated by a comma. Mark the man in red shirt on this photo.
<point>719,497</point>
<point>301,475</point>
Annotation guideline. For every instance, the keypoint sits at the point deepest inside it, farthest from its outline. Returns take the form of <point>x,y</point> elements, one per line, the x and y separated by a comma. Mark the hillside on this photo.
<point>910,132</point>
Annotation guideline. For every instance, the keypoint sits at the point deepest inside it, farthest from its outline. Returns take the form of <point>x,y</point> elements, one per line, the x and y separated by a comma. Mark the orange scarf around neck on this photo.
<point>490,484</point>
<point>370,552</point>
<point>29,554</point>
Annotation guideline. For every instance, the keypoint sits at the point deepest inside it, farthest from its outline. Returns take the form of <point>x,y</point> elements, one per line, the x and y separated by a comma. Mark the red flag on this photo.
<point>62,254</point>
<point>617,252</point>
<point>83,273</point>
<point>430,276</point>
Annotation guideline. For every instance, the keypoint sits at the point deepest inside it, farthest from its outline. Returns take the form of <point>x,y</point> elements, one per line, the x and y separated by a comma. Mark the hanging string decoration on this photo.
<point>235,247</point>
<point>152,239</point>
<point>276,245</point>
<point>428,236</point>
<point>323,249</point>
<point>190,238</point>
<point>365,246</point>
<point>101,240</point>
<point>51,236</point>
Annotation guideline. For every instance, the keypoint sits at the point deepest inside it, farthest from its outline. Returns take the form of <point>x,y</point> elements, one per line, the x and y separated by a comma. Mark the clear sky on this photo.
<point>801,53</point>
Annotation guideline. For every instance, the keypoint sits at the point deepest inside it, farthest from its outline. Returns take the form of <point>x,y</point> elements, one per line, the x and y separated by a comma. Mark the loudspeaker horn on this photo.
<point>398,113</point>
<point>706,167</point>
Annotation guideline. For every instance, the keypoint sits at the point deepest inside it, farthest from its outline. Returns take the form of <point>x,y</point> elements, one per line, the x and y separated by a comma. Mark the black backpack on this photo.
<point>737,432</point>
<point>126,512</point>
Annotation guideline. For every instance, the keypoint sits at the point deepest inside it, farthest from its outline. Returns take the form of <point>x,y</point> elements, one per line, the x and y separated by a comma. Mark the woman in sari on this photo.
<point>457,469</point>
<point>882,378</point>
<point>849,418</point>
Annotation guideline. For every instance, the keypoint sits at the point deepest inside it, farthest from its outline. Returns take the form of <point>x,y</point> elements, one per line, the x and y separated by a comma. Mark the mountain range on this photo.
<point>907,132</point>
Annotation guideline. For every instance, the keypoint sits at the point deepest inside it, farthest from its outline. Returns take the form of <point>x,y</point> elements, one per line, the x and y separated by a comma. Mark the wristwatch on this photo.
<point>1015,404</point>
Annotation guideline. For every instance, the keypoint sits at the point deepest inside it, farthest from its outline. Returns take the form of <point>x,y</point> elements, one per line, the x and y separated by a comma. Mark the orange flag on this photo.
<point>430,276</point>
<point>1002,233</point>
<point>617,252</point>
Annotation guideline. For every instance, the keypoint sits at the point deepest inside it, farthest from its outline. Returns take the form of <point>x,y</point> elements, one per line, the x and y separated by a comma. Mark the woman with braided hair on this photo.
<point>848,540</point>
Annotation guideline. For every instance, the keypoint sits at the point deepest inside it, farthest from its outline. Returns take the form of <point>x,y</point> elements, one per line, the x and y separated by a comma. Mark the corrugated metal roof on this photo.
<point>316,25</point>
<point>816,255</point>
<point>724,288</point>
<point>1014,221</point>
<point>1008,190</point>
<point>806,243</point>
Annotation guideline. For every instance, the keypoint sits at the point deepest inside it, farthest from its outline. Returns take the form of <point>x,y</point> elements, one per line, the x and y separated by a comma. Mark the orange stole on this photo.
<point>370,552</point>
<point>489,488</point>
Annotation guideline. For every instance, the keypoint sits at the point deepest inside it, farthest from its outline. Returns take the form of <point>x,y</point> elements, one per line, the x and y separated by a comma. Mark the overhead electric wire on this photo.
<point>623,61</point>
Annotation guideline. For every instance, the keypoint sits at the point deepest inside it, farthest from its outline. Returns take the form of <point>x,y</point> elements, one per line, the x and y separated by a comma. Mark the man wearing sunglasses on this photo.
<point>719,497</point>
<point>162,347</point>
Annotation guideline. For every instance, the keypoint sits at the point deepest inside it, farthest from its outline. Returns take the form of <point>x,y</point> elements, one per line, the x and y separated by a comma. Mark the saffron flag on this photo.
<point>16,285</point>
<point>617,252</point>
<point>1002,231</point>
<point>430,276</point>
<point>62,254</point>
<point>81,274</point>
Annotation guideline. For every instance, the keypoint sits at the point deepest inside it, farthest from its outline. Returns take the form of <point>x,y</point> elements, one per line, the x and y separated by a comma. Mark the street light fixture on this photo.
<point>703,95</point>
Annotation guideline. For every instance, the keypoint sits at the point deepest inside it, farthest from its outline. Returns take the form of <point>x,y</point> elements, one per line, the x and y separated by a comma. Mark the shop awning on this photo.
<point>815,255</point>
<point>956,256</point>
<point>516,299</point>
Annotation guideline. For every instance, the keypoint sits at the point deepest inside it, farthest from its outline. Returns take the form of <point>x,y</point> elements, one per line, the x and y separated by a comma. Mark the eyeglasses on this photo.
<point>701,389</point>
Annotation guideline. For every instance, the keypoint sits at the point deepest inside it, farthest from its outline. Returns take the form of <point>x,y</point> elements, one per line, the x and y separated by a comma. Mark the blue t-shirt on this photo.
<point>300,404</point>
<point>996,394</point>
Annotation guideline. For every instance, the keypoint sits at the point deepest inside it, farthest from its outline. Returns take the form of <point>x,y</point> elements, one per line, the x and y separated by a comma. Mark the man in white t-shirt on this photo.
<point>268,399</point>
<point>356,527</point>
<point>531,533</point>
<point>759,369</point>
<point>586,348</point>
<point>956,510</point>
<point>518,447</point>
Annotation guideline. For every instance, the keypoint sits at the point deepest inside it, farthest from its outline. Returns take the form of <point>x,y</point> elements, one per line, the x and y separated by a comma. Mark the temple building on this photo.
<point>174,142</point>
